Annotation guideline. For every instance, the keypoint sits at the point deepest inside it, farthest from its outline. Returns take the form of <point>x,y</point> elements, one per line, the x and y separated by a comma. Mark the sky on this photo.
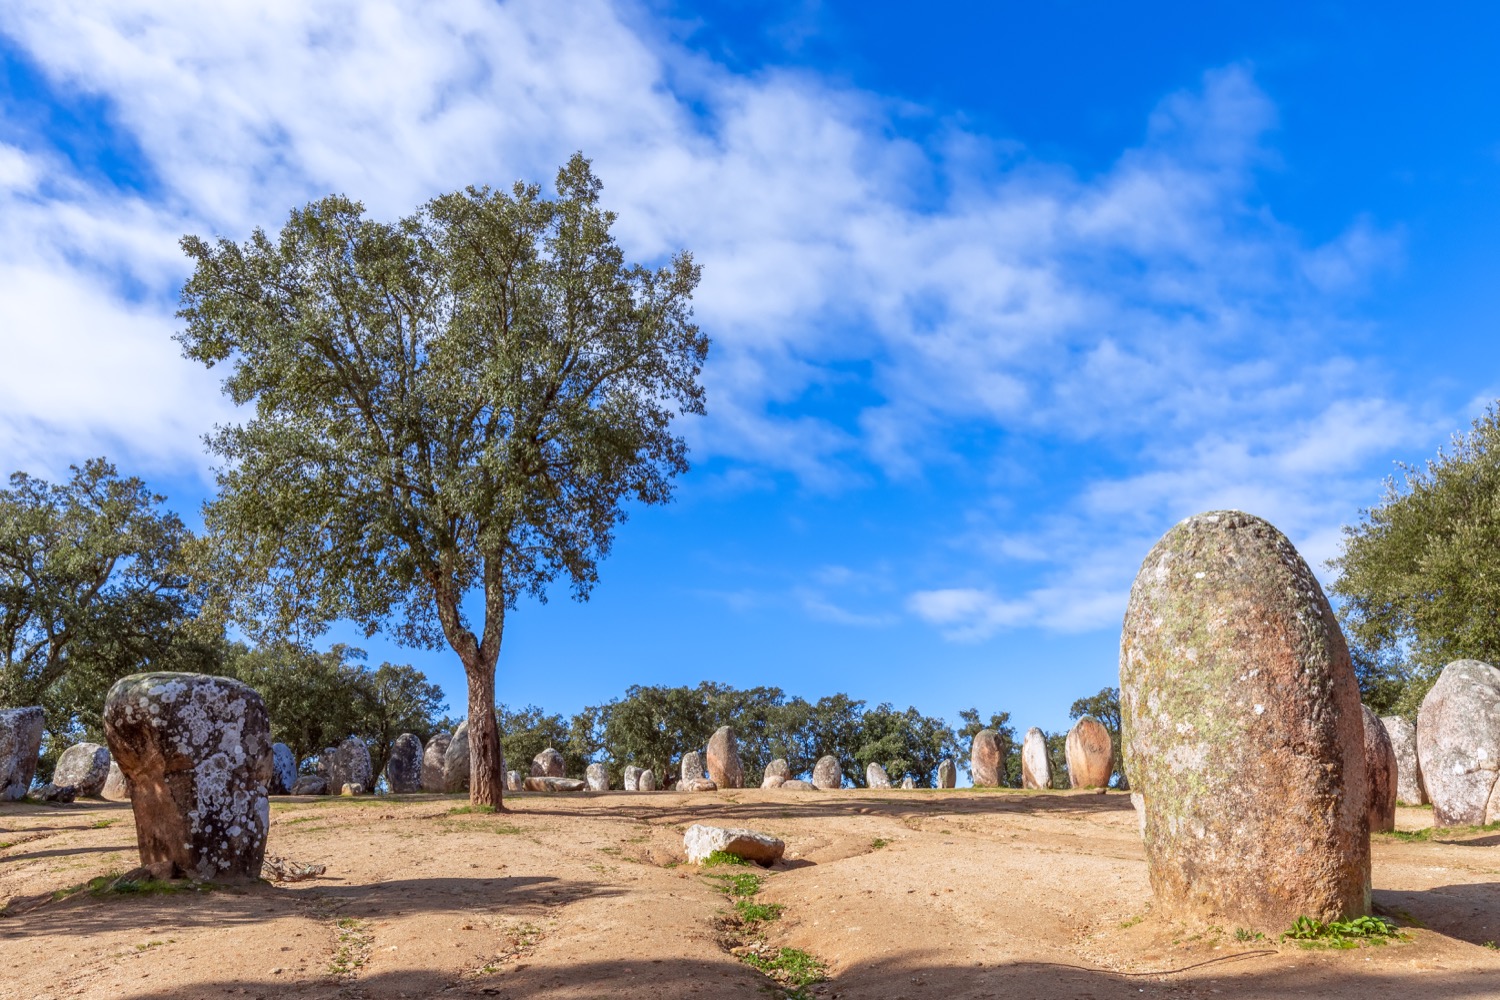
<point>998,292</point>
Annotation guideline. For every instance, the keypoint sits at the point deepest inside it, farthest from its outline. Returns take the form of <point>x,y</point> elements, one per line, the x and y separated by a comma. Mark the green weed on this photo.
<point>756,913</point>
<point>1310,933</point>
<point>353,947</point>
<point>717,858</point>
<point>878,843</point>
<point>791,968</point>
<point>117,885</point>
<point>101,824</point>
<point>466,810</point>
<point>1241,934</point>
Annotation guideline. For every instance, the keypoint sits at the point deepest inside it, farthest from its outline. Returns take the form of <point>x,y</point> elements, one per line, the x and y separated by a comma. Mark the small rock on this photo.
<point>548,764</point>
<point>310,784</point>
<point>85,766</point>
<point>777,769</point>
<point>597,777</point>
<point>631,778</point>
<point>724,765</point>
<point>547,783</point>
<point>772,781</point>
<point>1036,764</point>
<point>908,783</point>
<point>116,786</point>
<point>875,776</point>
<point>701,840</point>
<point>697,785</point>
<point>283,770</point>
<point>1403,736</point>
<point>827,774</point>
<point>987,759</point>
<point>352,788</point>
<point>403,769</point>
<point>798,785</point>
<point>1380,772</point>
<point>692,766</point>
<point>1090,753</point>
<point>515,781</point>
<point>947,774</point>
<point>20,744</point>
<point>433,756</point>
<point>56,793</point>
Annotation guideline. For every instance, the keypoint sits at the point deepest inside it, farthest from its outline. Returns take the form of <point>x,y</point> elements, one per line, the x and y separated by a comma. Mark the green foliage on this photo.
<point>1105,708</point>
<point>529,731</point>
<point>1310,933</point>
<point>1415,576</point>
<point>752,913</point>
<point>904,743</point>
<point>1057,753</point>
<point>790,967</point>
<point>456,403</point>
<point>717,858</point>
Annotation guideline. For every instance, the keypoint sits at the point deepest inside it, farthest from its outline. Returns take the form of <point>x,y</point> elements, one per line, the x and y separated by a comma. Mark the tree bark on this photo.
<point>486,773</point>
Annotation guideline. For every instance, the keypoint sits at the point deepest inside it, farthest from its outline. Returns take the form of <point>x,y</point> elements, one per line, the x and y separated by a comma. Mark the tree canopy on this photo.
<point>458,403</point>
<point>1417,582</point>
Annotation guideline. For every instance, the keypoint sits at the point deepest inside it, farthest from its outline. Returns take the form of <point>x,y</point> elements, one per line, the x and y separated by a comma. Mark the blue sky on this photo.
<point>998,292</point>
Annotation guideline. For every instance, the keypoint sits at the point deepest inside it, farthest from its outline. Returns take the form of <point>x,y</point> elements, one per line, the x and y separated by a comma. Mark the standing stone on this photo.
<point>1091,754</point>
<point>85,766</point>
<point>646,781</point>
<point>1403,736</point>
<point>947,774</point>
<point>433,757</point>
<point>515,781</point>
<point>283,770</point>
<point>548,764</point>
<point>724,759</point>
<point>1380,774</point>
<point>597,777</point>
<point>1458,744</point>
<point>116,786</point>
<point>350,764</point>
<point>1243,731</point>
<point>403,769</point>
<point>632,778</point>
<point>776,774</point>
<point>692,766</point>
<point>907,783</point>
<point>987,759</point>
<point>456,760</point>
<point>197,752</point>
<point>827,774</point>
<point>875,776</point>
<point>20,743</point>
<point>1036,763</point>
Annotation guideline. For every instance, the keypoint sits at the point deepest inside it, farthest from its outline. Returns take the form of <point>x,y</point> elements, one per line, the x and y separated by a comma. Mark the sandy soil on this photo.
<point>902,894</point>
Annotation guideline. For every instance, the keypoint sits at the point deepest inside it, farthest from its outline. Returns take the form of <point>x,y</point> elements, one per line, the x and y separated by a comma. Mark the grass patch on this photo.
<point>466,810</point>
<point>791,968</point>
<point>119,885</point>
<point>1131,922</point>
<point>717,858</point>
<point>353,946</point>
<point>1241,934</point>
<point>103,824</point>
<point>751,913</point>
<point>1431,833</point>
<point>1310,933</point>
<point>878,843</point>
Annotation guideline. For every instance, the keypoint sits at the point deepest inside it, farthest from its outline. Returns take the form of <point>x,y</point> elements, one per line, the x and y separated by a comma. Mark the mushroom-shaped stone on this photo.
<point>310,784</point>
<point>1380,774</point>
<point>692,766</point>
<point>697,785</point>
<point>1243,730</point>
<point>798,785</point>
<point>1458,744</point>
<point>1090,754</point>
<point>85,766</point>
<point>827,774</point>
<point>631,778</point>
<point>197,752</point>
<point>434,756</point>
<point>987,759</point>
<point>20,743</point>
<point>908,783</point>
<point>116,786</point>
<point>515,781</point>
<point>702,840</point>
<point>875,776</point>
<point>548,764</point>
<point>1036,762</point>
<point>947,774</point>
<point>547,783</point>
<point>724,759</point>
<point>403,769</point>
<point>283,770</point>
<point>456,760</point>
<point>1403,736</point>
<point>597,777</point>
<point>646,781</point>
<point>776,774</point>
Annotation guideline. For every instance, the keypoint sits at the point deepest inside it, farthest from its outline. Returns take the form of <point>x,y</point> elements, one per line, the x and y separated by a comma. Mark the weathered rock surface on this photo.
<point>646,781</point>
<point>310,784</point>
<point>349,764</point>
<point>947,774</point>
<point>403,768</point>
<point>724,759</point>
<point>116,786</point>
<point>352,788</point>
<point>875,776</point>
<point>597,777</point>
<point>697,785</point>
<point>515,781</point>
<point>908,783</point>
<point>1090,754</point>
<point>20,743</point>
<point>692,766</point>
<point>1403,736</point>
<point>434,756</point>
<point>283,770</point>
<point>85,766</point>
<point>827,774</point>
<point>631,778</point>
<point>1458,744</point>
<point>987,759</point>
<point>1244,732</point>
<point>776,774</point>
<point>798,785</point>
<point>197,751</point>
<point>701,840</point>
<point>1380,774</point>
<point>1036,763</point>
<point>56,793</point>
<point>456,760</point>
<point>547,783</point>
<point>548,764</point>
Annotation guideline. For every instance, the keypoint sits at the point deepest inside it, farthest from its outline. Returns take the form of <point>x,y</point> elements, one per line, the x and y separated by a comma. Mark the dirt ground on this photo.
<point>910,894</point>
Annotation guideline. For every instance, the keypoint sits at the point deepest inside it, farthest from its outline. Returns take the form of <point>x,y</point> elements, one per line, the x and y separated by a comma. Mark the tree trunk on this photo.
<point>486,771</point>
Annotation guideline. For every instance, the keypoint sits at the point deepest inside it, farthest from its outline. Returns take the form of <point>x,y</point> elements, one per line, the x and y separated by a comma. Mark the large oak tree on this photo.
<point>449,412</point>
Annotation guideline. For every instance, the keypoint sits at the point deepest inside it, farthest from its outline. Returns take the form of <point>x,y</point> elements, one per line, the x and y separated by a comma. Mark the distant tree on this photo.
<point>905,743</point>
<point>1057,755</point>
<point>528,731</point>
<point>398,699</point>
<point>835,725</point>
<point>1104,707</point>
<point>1417,582</point>
<point>652,727</point>
<point>1000,723</point>
<point>456,403</point>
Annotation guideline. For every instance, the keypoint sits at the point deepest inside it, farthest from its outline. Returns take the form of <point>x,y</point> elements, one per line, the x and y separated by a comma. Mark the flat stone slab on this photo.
<point>542,783</point>
<point>701,840</point>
